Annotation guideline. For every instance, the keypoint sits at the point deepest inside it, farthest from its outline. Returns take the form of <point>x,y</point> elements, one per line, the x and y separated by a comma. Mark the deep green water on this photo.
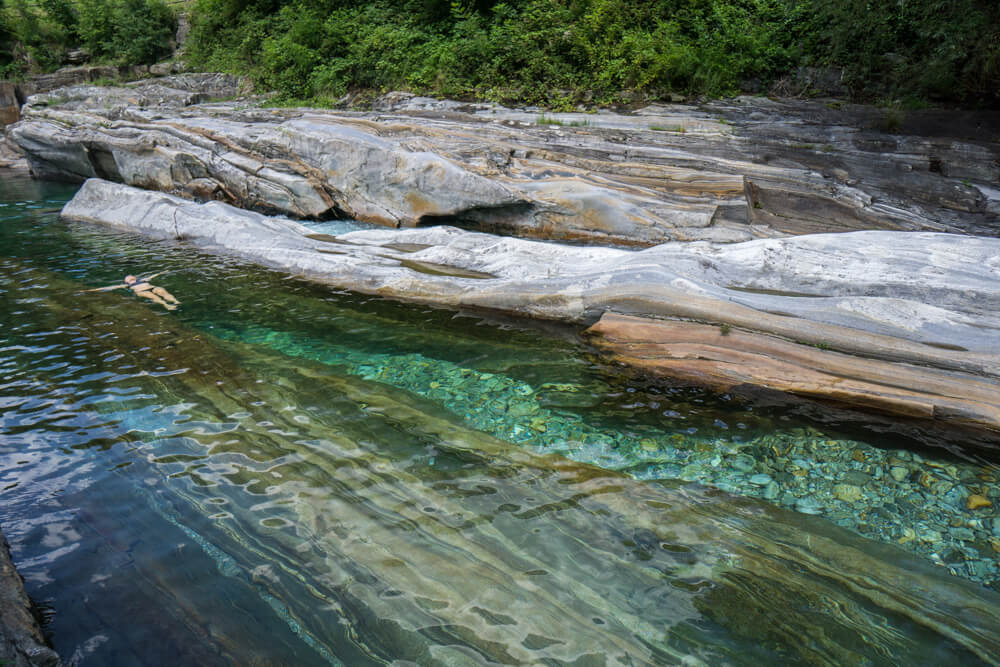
<point>278,473</point>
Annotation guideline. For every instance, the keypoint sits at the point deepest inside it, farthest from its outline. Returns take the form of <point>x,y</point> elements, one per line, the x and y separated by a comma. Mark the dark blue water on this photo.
<point>278,473</point>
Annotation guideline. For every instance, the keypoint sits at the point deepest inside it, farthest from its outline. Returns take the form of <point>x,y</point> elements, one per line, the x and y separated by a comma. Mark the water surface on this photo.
<point>278,473</point>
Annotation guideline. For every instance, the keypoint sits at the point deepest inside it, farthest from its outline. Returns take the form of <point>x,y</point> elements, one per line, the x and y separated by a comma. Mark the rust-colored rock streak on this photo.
<point>722,359</point>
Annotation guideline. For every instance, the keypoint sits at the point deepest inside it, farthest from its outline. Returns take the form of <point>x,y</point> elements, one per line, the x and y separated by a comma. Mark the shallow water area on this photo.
<point>283,474</point>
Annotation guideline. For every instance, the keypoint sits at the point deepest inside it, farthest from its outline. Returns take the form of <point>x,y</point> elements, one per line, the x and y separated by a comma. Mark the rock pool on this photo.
<point>278,473</point>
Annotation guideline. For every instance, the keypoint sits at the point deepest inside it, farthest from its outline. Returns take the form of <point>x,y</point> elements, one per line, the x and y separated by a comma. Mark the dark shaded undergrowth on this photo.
<point>562,52</point>
<point>557,53</point>
<point>36,35</point>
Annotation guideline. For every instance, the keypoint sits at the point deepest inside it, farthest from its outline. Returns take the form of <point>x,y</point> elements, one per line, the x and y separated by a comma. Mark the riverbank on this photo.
<point>813,259</point>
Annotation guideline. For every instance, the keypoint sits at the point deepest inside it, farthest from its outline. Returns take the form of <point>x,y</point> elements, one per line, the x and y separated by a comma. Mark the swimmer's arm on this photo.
<point>154,275</point>
<point>103,289</point>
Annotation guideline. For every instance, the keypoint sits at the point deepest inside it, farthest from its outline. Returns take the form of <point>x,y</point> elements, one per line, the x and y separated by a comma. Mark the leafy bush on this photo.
<point>33,34</point>
<point>130,31</point>
<point>121,31</point>
<point>927,48</point>
<point>557,52</point>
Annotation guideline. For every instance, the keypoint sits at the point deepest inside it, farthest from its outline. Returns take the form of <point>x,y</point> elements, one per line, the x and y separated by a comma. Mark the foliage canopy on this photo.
<point>554,52</point>
<point>557,51</point>
<point>35,34</point>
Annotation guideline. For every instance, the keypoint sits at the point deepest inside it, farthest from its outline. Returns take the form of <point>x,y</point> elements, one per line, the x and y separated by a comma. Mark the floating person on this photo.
<point>145,289</point>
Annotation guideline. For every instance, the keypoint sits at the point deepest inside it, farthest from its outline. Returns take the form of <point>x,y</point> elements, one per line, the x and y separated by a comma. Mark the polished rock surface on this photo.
<point>933,306</point>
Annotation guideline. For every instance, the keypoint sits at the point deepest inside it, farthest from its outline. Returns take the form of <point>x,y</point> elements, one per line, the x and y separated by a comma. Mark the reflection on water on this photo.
<point>278,474</point>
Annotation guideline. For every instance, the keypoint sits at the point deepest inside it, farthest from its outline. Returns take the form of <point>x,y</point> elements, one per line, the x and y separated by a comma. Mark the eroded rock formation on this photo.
<point>888,314</point>
<point>10,106</point>
<point>762,179</point>
<point>917,312</point>
<point>664,173</point>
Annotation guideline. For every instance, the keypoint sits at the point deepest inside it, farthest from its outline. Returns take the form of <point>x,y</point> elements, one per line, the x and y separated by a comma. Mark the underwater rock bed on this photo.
<point>383,533</point>
<point>938,508</point>
<point>326,478</point>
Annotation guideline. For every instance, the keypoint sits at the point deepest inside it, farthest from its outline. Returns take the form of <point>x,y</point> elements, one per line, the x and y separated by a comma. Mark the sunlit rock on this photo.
<point>897,322</point>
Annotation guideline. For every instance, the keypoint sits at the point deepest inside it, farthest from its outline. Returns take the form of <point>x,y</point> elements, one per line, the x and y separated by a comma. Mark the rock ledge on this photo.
<point>904,323</point>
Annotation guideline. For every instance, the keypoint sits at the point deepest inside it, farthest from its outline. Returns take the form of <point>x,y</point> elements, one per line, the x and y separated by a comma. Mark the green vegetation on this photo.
<point>892,120</point>
<point>549,120</point>
<point>917,49</point>
<point>672,128</point>
<point>35,35</point>
<point>561,52</point>
<point>819,345</point>
<point>557,53</point>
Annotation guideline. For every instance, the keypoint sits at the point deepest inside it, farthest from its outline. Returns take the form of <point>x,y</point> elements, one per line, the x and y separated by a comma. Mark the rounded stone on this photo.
<point>931,536</point>
<point>856,478</point>
<point>963,534</point>
<point>898,473</point>
<point>760,479</point>
<point>976,501</point>
<point>848,493</point>
<point>942,487</point>
<point>808,506</point>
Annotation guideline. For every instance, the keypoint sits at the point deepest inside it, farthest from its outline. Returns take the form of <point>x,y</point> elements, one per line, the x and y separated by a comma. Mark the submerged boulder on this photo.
<point>909,318</point>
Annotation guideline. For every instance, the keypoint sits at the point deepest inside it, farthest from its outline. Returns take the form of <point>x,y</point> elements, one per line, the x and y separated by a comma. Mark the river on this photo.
<point>281,473</point>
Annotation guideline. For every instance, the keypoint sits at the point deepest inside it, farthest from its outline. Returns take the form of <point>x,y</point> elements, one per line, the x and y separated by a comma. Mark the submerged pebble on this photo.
<point>808,506</point>
<point>847,493</point>
<point>976,501</point>
<point>899,473</point>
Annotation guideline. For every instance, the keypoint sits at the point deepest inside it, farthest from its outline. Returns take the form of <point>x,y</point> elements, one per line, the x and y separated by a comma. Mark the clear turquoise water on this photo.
<point>278,473</point>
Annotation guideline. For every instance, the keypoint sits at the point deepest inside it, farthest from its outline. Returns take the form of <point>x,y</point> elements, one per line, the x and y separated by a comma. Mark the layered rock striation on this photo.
<point>900,323</point>
<point>723,172</point>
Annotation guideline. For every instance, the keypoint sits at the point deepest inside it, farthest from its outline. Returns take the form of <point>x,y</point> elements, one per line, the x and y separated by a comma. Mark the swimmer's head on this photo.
<point>129,279</point>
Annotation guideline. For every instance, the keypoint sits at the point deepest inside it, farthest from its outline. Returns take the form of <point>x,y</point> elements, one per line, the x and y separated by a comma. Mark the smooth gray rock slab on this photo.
<point>936,295</point>
<point>167,91</point>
